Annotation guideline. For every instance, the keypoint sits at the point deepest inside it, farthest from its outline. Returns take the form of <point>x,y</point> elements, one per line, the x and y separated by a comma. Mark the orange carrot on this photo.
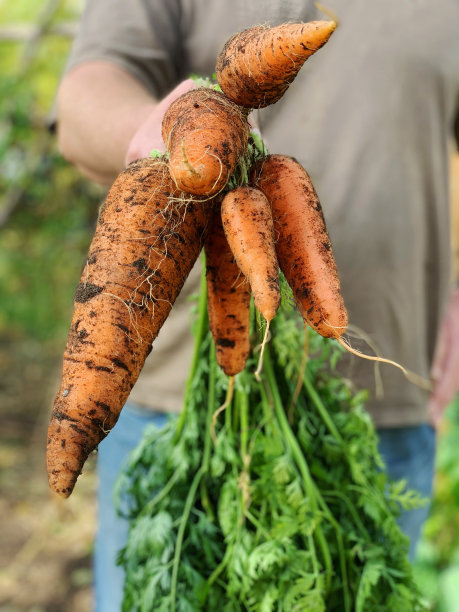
<point>256,66</point>
<point>302,244</point>
<point>228,301</point>
<point>205,135</point>
<point>248,225</point>
<point>147,239</point>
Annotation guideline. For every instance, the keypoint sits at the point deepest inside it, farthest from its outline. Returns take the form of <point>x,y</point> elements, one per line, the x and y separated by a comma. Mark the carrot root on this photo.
<point>228,301</point>
<point>205,135</point>
<point>303,245</point>
<point>256,66</point>
<point>248,225</point>
<point>414,378</point>
<point>222,408</point>
<point>259,369</point>
<point>147,239</point>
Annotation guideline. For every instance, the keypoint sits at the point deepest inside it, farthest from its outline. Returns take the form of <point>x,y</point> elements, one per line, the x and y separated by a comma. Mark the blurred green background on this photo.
<point>47,216</point>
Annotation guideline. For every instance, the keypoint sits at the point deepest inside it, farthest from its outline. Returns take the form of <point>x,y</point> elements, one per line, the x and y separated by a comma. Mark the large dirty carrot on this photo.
<point>303,245</point>
<point>147,239</point>
<point>228,301</point>
<point>205,135</point>
<point>256,66</point>
<point>248,225</point>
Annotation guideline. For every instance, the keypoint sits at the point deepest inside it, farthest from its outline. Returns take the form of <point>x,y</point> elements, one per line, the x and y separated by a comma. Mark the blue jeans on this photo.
<point>112,530</point>
<point>408,453</point>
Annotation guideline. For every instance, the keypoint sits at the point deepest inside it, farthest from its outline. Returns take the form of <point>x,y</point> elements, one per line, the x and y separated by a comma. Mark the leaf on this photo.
<point>265,559</point>
<point>369,579</point>
<point>227,507</point>
<point>319,498</point>
<point>282,470</point>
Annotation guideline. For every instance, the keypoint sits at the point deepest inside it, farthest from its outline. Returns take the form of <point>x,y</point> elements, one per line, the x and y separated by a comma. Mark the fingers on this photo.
<point>148,136</point>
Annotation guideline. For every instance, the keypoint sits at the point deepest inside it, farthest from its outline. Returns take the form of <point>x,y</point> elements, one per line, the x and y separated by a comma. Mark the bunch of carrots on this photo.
<point>252,215</point>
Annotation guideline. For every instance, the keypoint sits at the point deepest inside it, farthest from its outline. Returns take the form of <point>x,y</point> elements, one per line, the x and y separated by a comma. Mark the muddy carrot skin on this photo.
<point>205,135</point>
<point>147,239</point>
<point>248,224</point>
<point>303,245</point>
<point>256,66</point>
<point>228,301</point>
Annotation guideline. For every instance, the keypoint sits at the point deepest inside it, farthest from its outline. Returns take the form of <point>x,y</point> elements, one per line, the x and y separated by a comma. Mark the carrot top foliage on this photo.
<point>281,513</point>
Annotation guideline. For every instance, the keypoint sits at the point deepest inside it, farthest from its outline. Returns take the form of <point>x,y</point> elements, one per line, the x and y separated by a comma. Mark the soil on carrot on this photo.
<point>46,550</point>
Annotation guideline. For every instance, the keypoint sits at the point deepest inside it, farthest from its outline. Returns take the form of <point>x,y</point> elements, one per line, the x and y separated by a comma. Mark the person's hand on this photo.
<point>148,136</point>
<point>445,368</point>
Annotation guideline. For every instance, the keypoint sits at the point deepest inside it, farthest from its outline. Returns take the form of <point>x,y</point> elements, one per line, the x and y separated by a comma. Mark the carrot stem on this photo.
<point>211,399</point>
<point>217,571</point>
<point>244,421</point>
<point>321,409</point>
<point>164,492</point>
<point>302,370</point>
<point>310,488</point>
<point>181,532</point>
<point>199,474</point>
<point>242,401</point>
<point>201,327</point>
<point>262,350</point>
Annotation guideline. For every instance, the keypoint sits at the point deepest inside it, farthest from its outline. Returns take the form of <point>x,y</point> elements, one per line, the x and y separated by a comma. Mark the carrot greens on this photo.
<point>288,510</point>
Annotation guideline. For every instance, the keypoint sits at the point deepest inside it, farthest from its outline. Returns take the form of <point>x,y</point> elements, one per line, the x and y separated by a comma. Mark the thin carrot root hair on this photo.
<point>359,333</point>
<point>185,160</point>
<point>412,377</point>
<point>328,12</point>
<point>266,339</point>
<point>328,330</point>
<point>222,408</point>
<point>301,372</point>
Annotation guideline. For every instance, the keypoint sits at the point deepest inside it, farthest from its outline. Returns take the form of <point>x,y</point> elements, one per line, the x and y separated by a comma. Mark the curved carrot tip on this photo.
<point>66,456</point>
<point>257,65</point>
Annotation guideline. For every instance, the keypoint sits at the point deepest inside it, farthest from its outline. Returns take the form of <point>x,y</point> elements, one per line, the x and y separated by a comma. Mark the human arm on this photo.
<point>106,118</point>
<point>445,368</point>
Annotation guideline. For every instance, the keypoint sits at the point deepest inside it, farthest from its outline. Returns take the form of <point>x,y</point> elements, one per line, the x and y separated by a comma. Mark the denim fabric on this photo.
<point>408,453</point>
<point>112,529</point>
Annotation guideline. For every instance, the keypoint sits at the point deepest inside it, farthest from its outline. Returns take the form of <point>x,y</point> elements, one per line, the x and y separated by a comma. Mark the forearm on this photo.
<point>100,106</point>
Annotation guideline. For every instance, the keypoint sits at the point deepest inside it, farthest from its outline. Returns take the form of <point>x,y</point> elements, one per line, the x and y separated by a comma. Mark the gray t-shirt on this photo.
<point>370,116</point>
